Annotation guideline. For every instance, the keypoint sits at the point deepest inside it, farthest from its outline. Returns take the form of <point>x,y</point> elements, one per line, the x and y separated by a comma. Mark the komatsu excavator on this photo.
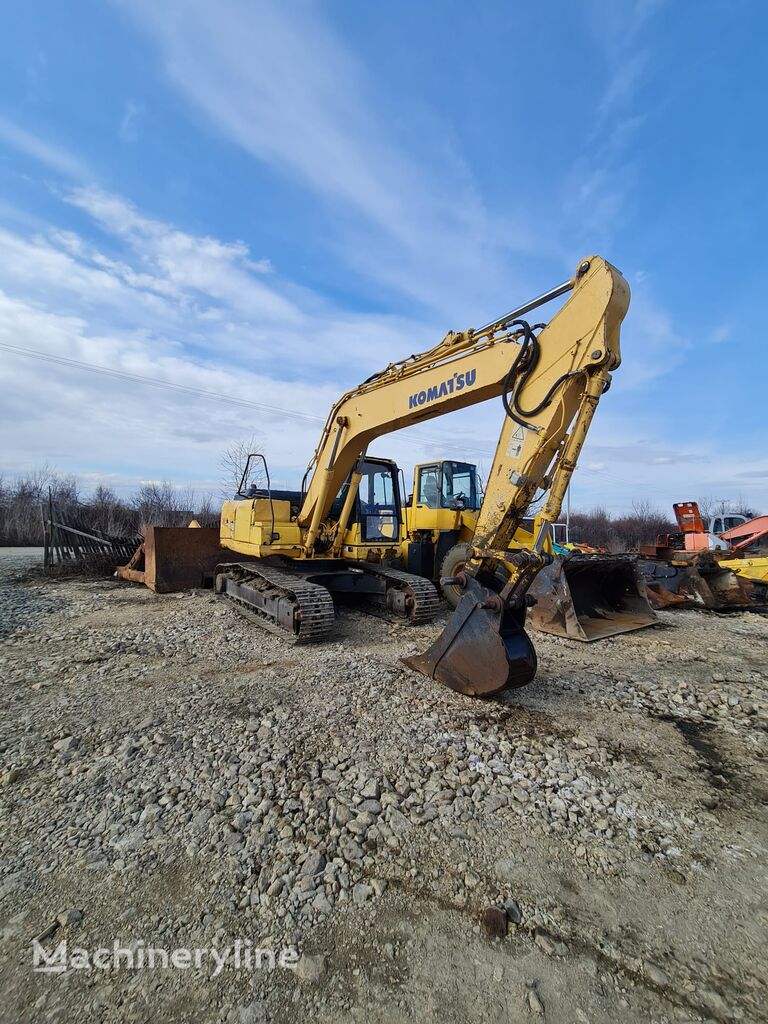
<point>340,534</point>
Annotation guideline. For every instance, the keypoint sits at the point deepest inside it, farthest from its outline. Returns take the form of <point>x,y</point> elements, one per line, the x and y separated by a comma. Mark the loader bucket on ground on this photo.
<point>706,585</point>
<point>590,597</point>
<point>483,649</point>
<point>726,589</point>
<point>173,558</point>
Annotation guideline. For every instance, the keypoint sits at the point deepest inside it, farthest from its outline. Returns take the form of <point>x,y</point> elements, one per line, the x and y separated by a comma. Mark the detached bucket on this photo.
<point>589,598</point>
<point>727,590</point>
<point>704,584</point>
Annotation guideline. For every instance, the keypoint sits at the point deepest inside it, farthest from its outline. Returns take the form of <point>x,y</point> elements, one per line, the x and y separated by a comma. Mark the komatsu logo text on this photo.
<point>457,382</point>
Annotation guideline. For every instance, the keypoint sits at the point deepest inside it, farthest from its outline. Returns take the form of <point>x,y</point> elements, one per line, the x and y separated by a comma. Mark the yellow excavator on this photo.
<point>340,535</point>
<point>579,596</point>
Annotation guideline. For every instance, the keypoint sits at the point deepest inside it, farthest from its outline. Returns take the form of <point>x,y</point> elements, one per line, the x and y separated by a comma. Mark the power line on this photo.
<point>217,396</point>
<point>153,382</point>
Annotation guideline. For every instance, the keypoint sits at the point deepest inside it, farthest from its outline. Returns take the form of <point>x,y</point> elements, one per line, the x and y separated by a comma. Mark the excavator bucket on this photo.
<point>483,649</point>
<point>589,597</point>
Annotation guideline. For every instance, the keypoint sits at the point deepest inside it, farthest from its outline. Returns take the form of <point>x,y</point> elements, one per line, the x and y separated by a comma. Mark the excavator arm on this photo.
<point>550,377</point>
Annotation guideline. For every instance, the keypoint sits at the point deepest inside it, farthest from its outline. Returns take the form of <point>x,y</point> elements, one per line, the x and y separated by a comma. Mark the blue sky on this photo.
<point>273,200</point>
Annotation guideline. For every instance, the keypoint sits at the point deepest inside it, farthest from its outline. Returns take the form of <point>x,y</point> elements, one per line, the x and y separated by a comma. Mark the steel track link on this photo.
<point>426,597</point>
<point>314,602</point>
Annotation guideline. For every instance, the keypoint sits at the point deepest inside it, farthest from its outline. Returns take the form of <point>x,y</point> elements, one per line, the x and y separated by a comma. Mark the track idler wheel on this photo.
<point>483,649</point>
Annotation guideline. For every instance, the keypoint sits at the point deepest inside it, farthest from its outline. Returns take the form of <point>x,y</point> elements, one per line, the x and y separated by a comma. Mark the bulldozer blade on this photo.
<point>173,558</point>
<point>589,597</point>
<point>482,650</point>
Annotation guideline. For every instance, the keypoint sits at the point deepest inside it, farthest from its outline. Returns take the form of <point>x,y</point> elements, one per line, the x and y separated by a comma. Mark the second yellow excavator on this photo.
<point>340,535</point>
<point>582,596</point>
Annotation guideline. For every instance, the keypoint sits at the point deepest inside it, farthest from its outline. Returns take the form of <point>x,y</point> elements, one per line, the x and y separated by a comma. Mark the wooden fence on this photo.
<point>68,542</point>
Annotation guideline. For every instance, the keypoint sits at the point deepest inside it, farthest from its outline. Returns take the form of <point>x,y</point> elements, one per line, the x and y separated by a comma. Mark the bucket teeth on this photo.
<point>483,649</point>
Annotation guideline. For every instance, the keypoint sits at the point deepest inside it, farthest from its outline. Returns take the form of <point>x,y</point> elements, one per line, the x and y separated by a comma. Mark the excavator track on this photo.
<point>421,595</point>
<point>298,603</point>
<point>282,602</point>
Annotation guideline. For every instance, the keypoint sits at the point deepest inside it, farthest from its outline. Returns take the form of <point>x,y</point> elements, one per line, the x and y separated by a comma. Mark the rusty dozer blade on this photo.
<point>483,649</point>
<point>588,597</point>
<point>173,558</point>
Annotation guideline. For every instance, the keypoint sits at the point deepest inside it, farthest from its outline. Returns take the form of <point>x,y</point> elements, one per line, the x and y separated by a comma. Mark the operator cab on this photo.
<point>451,485</point>
<point>377,506</point>
<point>723,523</point>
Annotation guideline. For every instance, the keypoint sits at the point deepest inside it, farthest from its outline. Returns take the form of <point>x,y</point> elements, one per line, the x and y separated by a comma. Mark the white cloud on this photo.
<point>153,299</point>
<point>158,305</point>
<point>719,334</point>
<point>196,292</point>
<point>128,129</point>
<point>651,343</point>
<point>191,264</point>
<point>53,156</point>
<point>76,419</point>
<point>192,311</point>
<point>278,81</point>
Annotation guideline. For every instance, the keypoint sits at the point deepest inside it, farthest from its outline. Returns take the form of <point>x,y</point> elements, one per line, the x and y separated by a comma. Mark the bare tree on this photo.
<point>233,462</point>
<point>625,533</point>
<point>207,511</point>
<point>742,507</point>
<point>160,504</point>
<point>709,507</point>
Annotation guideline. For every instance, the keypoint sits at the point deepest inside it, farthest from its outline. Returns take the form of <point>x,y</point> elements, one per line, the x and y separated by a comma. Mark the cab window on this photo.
<point>429,487</point>
<point>459,484</point>
<point>378,505</point>
<point>729,523</point>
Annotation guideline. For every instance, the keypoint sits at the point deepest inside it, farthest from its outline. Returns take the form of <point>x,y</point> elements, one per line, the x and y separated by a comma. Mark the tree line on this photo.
<point>644,523</point>
<point>163,504</point>
<point>155,504</point>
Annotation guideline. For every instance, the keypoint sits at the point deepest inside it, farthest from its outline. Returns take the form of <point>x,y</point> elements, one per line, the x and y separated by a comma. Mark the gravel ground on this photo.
<point>588,849</point>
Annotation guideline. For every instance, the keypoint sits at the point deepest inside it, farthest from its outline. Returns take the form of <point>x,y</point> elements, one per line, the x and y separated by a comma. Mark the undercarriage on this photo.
<point>296,599</point>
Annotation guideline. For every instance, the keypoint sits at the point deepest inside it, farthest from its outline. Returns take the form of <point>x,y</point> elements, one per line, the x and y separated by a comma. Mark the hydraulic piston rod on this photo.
<point>542,300</point>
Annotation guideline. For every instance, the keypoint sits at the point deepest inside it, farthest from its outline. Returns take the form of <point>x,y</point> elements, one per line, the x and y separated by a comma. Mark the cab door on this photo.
<point>375,522</point>
<point>426,498</point>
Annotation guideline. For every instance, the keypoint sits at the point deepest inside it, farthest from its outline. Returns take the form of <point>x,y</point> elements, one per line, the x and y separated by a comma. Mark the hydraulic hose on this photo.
<point>525,363</point>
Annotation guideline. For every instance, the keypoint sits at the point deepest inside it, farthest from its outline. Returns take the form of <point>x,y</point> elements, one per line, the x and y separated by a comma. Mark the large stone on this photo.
<point>514,913</point>
<point>249,1013</point>
<point>371,790</point>
<point>311,968</point>
<point>655,974</point>
<point>361,892</point>
<point>314,863</point>
<point>67,918</point>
